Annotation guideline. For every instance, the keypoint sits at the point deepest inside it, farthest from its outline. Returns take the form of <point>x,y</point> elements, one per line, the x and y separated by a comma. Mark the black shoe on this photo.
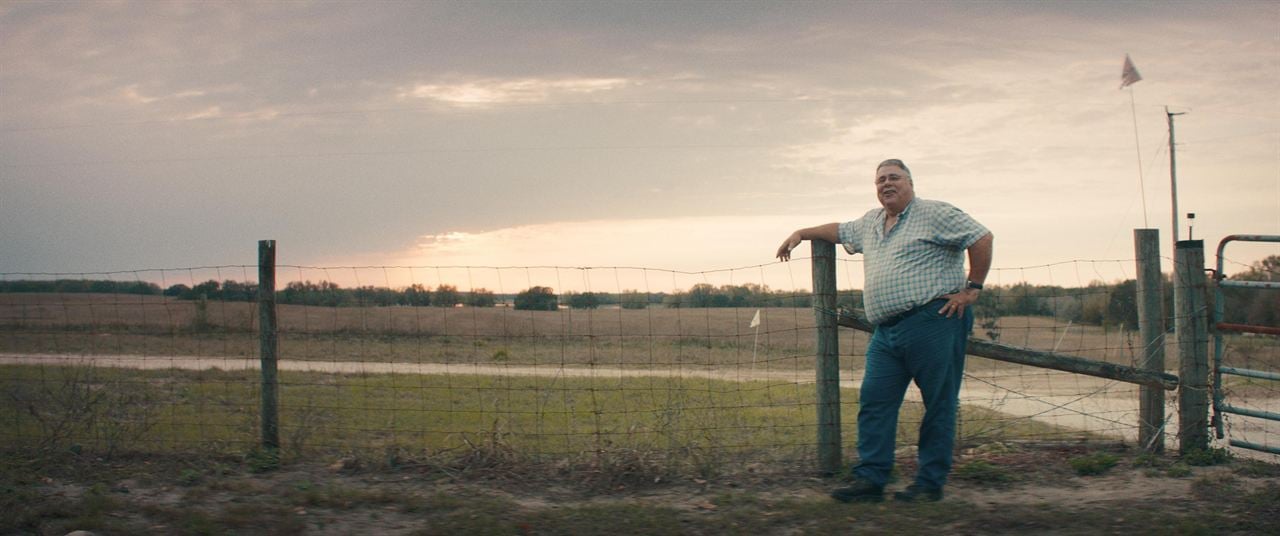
<point>860,491</point>
<point>919,493</point>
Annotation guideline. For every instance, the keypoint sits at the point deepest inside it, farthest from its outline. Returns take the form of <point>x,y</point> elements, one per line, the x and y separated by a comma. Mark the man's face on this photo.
<point>894,188</point>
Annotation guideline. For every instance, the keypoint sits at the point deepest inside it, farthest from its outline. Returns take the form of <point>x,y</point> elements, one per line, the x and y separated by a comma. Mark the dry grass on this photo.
<point>676,339</point>
<point>150,325</point>
<point>156,325</point>
<point>182,494</point>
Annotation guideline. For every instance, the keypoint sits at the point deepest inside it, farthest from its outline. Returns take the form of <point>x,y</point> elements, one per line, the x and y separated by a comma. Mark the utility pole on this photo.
<point>1173,173</point>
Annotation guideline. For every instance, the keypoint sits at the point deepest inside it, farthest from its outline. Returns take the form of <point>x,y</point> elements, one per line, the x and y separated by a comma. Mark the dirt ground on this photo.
<point>995,489</point>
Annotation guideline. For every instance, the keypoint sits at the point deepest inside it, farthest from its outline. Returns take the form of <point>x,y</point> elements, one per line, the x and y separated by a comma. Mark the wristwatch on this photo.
<point>972,285</point>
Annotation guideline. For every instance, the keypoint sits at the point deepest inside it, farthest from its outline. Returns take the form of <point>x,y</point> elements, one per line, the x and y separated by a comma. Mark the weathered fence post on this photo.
<point>269,343</point>
<point>1146,246</point>
<point>1192,333</point>
<point>828,356</point>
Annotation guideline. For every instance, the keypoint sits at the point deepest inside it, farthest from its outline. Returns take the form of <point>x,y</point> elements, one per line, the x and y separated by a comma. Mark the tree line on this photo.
<point>79,286</point>
<point>1113,304</point>
<point>1116,304</point>
<point>1252,306</point>
<point>329,294</point>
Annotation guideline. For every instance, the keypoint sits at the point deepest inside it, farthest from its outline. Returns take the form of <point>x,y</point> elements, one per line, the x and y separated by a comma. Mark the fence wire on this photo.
<point>640,366</point>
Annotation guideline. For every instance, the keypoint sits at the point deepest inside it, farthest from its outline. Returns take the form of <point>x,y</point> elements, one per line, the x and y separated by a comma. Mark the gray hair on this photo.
<point>894,162</point>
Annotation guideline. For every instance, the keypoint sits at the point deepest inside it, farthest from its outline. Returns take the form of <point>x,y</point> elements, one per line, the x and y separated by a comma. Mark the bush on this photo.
<point>1206,457</point>
<point>415,296</point>
<point>481,298</point>
<point>633,299</point>
<point>1094,464</point>
<point>262,460</point>
<point>178,290</point>
<point>584,300</point>
<point>537,299</point>
<point>446,296</point>
<point>983,472</point>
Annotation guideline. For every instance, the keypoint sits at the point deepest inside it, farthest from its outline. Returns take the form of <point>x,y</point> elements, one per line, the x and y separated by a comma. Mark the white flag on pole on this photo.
<point>1129,75</point>
<point>755,321</point>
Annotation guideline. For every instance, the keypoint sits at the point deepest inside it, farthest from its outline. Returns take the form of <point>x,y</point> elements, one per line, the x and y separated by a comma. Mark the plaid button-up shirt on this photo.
<point>921,259</point>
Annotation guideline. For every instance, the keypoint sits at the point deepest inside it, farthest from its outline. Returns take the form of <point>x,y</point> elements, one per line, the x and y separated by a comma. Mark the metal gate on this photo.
<point>1220,404</point>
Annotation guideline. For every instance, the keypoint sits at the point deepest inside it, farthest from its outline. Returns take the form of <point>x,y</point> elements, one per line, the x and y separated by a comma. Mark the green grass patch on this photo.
<point>1206,457</point>
<point>1178,470</point>
<point>633,428</point>
<point>983,472</point>
<point>1094,464</point>
<point>1257,469</point>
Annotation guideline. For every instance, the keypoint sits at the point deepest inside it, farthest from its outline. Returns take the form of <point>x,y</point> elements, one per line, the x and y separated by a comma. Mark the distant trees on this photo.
<point>308,293</point>
<point>177,290</point>
<point>537,299</point>
<point>81,286</point>
<point>446,296</point>
<point>375,296</point>
<point>213,290</point>
<point>633,299</point>
<point>1255,306</point>
<point>481,298</point>
<point>416,295</point>
<point>1110,305</point>
<point>746,295</point>
<point>584,300</point>
<point>329,294</point>
<point>1098,303</point>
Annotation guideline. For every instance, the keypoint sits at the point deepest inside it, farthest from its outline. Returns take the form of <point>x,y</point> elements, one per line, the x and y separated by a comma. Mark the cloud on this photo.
<point>490,92</point>
<point>133,94</point>
<point>654,254</point>
<point>335,125</point>
<point>688,242</point>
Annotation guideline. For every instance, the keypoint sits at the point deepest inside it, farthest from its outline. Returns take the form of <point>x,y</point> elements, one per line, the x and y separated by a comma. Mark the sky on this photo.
<point>690,137</point>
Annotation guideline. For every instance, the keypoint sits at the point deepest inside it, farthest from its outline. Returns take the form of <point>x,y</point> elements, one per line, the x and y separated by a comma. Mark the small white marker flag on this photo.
<point>756,320</point>
<point>1129,75</point>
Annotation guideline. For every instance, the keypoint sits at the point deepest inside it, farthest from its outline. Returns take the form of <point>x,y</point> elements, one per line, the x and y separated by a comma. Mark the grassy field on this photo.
<point>656,337</point>
<point>683,425</point>
<point>123,451</point>
<point>689,341</point>
<point>119,451</point>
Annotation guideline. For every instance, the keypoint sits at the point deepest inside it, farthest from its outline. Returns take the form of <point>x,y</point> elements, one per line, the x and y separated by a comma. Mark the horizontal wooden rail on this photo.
<point>1247,328</point>
<point>1035,358</point>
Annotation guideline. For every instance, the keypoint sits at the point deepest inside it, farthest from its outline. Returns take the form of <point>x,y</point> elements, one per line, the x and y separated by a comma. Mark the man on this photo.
<point>917,295</point>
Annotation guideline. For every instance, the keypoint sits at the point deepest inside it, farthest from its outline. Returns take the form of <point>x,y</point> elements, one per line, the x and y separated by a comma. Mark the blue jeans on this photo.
<point>927,347</point>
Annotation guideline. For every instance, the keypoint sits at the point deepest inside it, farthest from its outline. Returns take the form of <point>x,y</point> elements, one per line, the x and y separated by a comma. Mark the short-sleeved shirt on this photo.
<point>921,259</point>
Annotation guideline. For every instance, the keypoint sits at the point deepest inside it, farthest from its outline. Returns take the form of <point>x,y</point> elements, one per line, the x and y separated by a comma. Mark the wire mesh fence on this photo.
<point>602,367</point>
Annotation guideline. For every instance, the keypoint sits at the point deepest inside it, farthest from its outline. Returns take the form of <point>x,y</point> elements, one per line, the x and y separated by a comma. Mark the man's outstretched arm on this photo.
<point>829,232</point>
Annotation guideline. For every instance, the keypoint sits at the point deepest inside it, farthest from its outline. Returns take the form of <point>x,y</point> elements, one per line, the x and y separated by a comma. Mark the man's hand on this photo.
<point>784,251</point>
<point>829,232</point>
<point>958,301</point>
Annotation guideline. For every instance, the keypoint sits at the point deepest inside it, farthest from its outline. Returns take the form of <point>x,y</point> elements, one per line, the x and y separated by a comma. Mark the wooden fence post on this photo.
<point>828,356</point>
<point>1192,333</point>
<point>269,343</point>
<point>1146,245</point>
